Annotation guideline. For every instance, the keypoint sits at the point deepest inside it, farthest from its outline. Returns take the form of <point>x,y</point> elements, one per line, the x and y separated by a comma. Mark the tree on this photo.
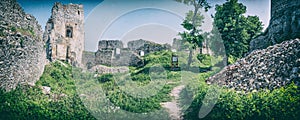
<point>236,29</point>
<point>192,24</point>
<point>215,42</point>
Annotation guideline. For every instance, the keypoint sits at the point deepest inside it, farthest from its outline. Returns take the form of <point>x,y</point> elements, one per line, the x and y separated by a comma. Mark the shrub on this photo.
<point>162,58</point>
<point>30,103</point>
<point>204,59</point>
<point>140,77</point>
<point>282,103</point>
<point>231,59</point>
<point>105,78</point>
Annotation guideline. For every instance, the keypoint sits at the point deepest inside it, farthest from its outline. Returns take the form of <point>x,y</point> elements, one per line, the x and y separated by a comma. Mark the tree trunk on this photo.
<point>206,45</point>
<point>190,58</point>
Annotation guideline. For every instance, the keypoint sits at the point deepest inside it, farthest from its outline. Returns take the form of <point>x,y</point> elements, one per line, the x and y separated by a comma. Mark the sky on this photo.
<point>155,20</point>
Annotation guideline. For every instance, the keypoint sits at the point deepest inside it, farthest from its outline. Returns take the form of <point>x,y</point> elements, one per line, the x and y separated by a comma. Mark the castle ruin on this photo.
<point>113,53</point>
<point>64,33</point>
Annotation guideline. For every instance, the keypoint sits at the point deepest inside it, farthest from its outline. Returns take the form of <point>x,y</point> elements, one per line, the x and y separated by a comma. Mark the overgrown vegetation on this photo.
<point>193,36</point>
<point>155,79</point>
<point>144,79</point>
<point>204,59</point>
<point>282,103</point>
<point>123,90</point>
<point>27,102</point>
<point>135,104</point>
<point>64,103</point>
<point>29,31</point>
<point>235,28</point>
<point>105,78</point>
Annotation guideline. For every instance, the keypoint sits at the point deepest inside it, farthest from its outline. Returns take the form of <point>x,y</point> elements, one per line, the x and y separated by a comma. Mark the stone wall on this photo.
<point>284,24</point>
<point>269,68</point>
<point>88,59</point>
<point>127,58</point>
<point>109,44</point>
<point>112,53</point>
<point>100,69</point>
<point>153,47</point>
<point>146,46</point>
<point>135,44</point>
<point>22,51</point>
<point>64,33</point>
<point>104,57</point>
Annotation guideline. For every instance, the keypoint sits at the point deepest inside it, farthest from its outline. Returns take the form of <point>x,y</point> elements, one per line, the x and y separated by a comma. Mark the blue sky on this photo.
<point>41,9</point>
<point>155,20</point>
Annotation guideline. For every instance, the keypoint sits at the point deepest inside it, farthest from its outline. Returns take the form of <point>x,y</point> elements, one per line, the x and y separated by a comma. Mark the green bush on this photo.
<point>162,58</point>
<point>140,77</point>
<point>231,59</point>
<point>134,104</point>
<point>30,103</point>
<point>205,59</point>
<point>281,103</point>
<point>105,78</point>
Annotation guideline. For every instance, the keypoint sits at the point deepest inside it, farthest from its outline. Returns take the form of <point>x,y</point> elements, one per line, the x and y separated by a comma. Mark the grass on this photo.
<point>281,103</point>
<point>27,102</point>
<point>79,95</point>
<point>138,94</point>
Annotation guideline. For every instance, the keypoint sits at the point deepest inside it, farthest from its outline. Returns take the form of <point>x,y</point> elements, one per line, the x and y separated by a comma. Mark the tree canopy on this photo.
<point>236,29</point>
<point>192,24</point>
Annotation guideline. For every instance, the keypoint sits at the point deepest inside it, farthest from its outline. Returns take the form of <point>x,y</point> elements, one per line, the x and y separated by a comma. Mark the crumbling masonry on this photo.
<point>64,33</point>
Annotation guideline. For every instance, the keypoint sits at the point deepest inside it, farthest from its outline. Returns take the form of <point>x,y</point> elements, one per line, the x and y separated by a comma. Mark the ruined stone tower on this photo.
<point>284,24</point>
<point>64,33</point>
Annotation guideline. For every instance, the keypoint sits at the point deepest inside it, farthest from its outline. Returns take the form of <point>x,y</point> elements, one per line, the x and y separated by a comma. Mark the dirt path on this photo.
<point>172,107</point>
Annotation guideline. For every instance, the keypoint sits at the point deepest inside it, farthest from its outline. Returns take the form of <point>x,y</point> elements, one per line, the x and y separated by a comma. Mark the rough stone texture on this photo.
<point>100,69</point>
<point>46,90</point>
<point>112,53</point>
<point>127,58</point>
<point>136,44</point>
<point>146,46</point>
<point>153,47</point>
<point>110,44</point>
<point>269,68</point>
<point>88,59</point>
<point>64,33</point>
<point>104,57</point>
<point>22,52</point>
<point>106,51</point>
<point>108,57</point>
<point>284,24</point>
